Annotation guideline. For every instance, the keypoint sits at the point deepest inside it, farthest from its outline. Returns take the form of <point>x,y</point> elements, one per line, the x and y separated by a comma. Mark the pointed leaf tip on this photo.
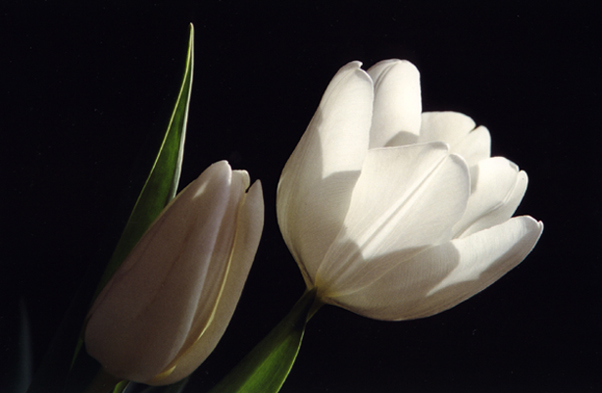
<point>162,182</point>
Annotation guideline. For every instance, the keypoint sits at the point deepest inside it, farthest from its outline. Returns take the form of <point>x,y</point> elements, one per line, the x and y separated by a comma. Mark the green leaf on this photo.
<point>61,365</point>
<point>121,386</point>
<point>162,182</point>
<point>266,367</point>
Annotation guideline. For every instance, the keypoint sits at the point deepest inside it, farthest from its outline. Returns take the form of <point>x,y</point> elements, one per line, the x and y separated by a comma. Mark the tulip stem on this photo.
<point>316,305</point>
<point>266,367</point>
<point>104,382</point>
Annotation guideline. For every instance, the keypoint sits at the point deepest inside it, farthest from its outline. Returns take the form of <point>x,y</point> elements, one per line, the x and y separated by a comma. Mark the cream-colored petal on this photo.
<point>214,278</point>
<point>248,233</point>
<point>397,102</point>
<point>443,276</point>
<point>497,189</point>
<point>407,197</point>
<point>152,298</point>
<point>316,183</point>
<point>448,127</point>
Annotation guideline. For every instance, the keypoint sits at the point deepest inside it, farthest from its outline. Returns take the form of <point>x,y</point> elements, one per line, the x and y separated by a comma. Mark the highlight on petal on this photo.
<point>397,206</point>
<point>316,183</point>
<point>498,188</point>
<point>338,134</point>
<point>397,103</point>
<point>445,275</point>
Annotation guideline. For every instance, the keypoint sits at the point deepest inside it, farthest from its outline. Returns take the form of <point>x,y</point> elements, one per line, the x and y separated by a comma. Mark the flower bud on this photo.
<point>167,306</point>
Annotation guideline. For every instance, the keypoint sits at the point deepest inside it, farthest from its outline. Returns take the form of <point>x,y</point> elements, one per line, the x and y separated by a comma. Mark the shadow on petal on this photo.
<point>396,285</point>
<point>402,138</point>
<point>443,276</point>
<point>350,272</point>
<point>311,204</point>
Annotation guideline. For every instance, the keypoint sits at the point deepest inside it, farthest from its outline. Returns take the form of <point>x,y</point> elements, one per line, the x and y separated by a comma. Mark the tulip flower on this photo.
<point>167,306</point>
<point>396,214</point>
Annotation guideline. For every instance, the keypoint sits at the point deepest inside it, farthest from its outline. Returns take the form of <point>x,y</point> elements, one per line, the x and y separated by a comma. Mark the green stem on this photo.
<point>266,367</point>
<point>104,382</point>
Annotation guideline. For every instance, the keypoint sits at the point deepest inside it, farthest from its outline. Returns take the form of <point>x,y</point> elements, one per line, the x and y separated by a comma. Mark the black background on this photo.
<point>87,90</point>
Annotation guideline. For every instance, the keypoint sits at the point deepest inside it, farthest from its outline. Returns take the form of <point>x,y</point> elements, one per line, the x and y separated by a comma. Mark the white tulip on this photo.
<point>396,214</point>
<point>167,306</point>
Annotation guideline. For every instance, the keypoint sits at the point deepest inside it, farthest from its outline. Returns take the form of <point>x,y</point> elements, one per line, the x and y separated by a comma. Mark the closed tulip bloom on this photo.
<point>167,306</point>
<point>396,214</point>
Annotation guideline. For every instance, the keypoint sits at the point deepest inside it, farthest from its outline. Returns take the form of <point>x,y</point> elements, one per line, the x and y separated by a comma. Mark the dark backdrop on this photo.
<point>86,91</point>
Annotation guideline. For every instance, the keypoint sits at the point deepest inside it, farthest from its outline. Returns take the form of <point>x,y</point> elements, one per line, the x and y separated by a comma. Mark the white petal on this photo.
<point>497,189</point>
<point>443,276</point>
<point>407,197</point>
<point>475,146</point>
<point>220,258</point>
<point>152,298</point>
<point>397,102</point>
<point>248,233</point>
<point>448,127</point>
<point>316,183</point>
<point>488,212</point>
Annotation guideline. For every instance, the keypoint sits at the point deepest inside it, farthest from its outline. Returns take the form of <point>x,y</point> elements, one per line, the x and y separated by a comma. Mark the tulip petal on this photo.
<point>217,269</point>
<point>445,275</point>
<point>205,336</point>
<point>316,183</point>
<point>448,127</point>
<point>457,130</point>
<point>474,147</point>
<point>498,188</point>
<point>407,198</point>
<point>397,103</point>
<point>153,297</point>
<point>498,193</point>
